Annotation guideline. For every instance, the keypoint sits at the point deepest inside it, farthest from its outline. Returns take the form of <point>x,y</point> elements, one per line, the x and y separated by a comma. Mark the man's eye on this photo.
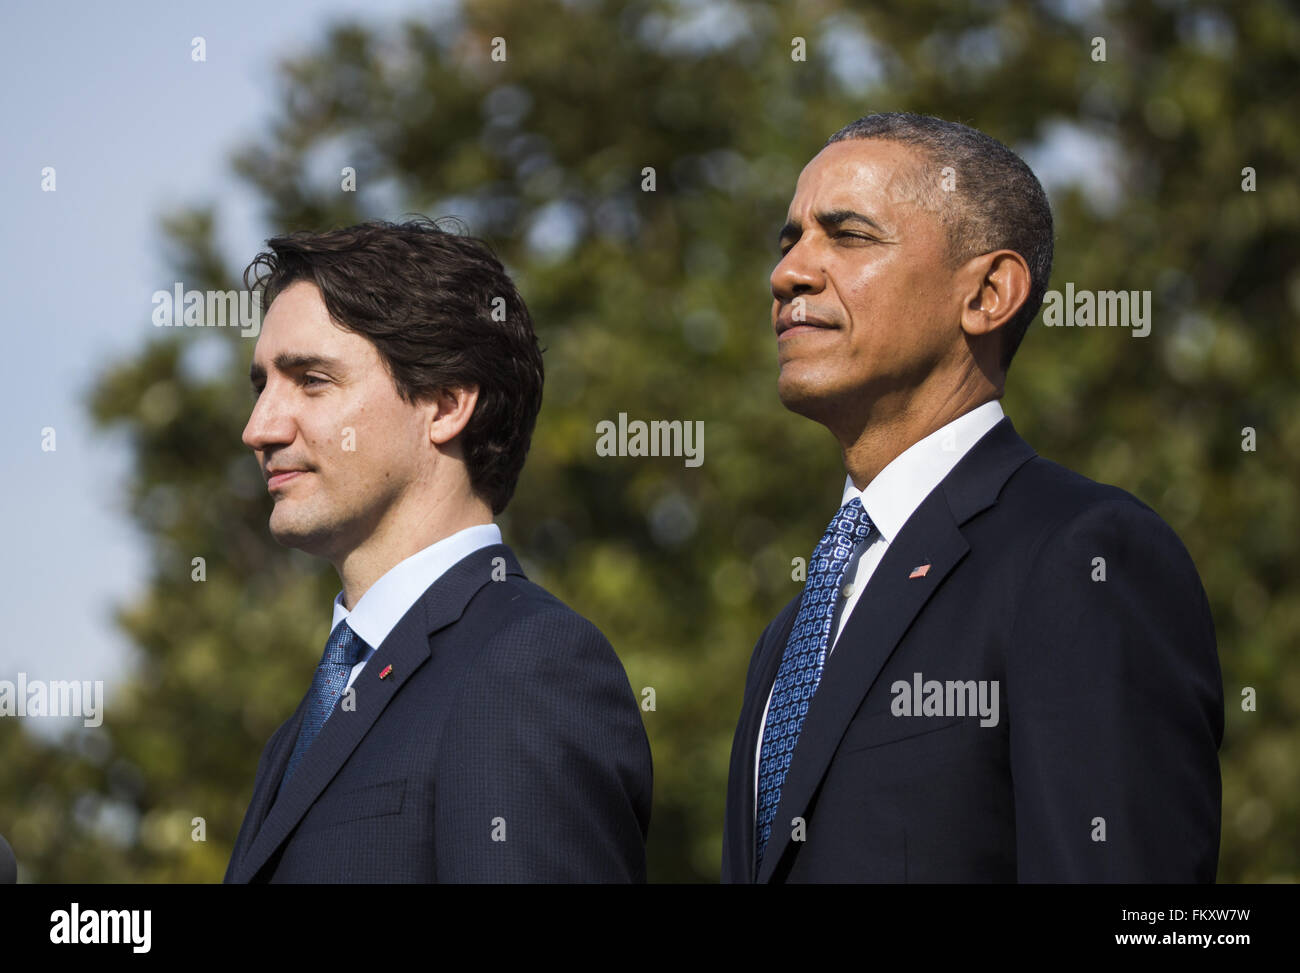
<point>312,378</point>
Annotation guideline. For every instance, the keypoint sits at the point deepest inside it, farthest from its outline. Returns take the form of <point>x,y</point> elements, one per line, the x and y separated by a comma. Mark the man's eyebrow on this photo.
<point>838,216</point>
<point>828,219</point>
<point>288,361</point>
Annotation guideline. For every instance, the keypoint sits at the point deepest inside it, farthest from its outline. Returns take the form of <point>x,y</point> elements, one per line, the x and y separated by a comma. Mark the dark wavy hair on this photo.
<point>442,312</point>
<point>998,204</point>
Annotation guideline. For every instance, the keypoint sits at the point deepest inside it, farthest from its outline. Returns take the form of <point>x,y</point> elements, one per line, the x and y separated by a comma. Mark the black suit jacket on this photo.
<point>505,715</point>
<point>1103,765</point>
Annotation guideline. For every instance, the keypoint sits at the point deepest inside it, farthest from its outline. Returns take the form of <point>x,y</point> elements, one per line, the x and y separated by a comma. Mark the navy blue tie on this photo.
<point>343,651</point>
<point>804,658</point>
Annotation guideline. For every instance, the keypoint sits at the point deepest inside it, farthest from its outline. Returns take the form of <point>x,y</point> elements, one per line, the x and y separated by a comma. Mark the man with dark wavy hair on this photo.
<point>463,724</point>
<point>998,670</point>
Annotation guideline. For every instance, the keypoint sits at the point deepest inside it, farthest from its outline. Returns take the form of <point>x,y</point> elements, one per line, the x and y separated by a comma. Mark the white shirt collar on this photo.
<point>893,496</point>
<point>391,597</point>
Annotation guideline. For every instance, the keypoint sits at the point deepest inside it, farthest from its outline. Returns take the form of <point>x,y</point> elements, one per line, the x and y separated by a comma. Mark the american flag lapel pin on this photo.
<point>389,668</point>
<point>920,571</point>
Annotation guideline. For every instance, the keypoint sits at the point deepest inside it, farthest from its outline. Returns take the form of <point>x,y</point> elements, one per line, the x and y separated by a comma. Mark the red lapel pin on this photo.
<point>387,670</point>
<point>920,571</point>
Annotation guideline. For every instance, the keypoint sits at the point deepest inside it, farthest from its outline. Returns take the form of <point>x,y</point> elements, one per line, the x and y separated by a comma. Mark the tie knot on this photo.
<point>851,524</point>
<point>345,647</point>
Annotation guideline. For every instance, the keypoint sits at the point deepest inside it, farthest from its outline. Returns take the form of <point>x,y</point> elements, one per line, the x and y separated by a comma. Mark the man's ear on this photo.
<point>449,413</point>
<point>994,287</point>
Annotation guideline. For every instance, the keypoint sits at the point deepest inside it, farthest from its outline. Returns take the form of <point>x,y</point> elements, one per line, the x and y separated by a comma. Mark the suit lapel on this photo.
<point>742,850</point>
<point>264,788</point>
<point>889,604</point>
<point>406,648</point>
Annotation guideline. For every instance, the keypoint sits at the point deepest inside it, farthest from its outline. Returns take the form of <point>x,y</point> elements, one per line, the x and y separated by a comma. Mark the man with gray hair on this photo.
<point>998,670</point>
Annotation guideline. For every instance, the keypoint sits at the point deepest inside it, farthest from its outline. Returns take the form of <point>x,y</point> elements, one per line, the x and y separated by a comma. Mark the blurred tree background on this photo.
<point>657,304</point>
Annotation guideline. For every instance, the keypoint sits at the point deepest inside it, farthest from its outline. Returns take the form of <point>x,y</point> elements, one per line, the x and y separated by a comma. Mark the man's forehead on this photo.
<point>867,175</point>
<point>884,180</point>
<point>299,308</point>
<point>298,330</point>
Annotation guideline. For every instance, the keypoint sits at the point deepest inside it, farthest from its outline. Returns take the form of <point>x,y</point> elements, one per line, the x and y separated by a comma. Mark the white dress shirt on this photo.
<point>387,600</point>
<point>889,501</point>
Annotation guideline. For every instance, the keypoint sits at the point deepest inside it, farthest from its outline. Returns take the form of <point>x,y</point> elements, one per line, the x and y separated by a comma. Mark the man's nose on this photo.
<point>797,273</point>
<point>270,424</point>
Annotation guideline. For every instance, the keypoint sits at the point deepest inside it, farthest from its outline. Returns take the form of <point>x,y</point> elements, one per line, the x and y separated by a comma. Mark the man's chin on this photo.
<point>814,396</point>
<point>804,396</point>
<point>290,533</point>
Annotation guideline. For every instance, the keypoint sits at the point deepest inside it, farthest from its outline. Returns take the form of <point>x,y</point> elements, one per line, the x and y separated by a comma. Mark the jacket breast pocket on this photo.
<point>371,801</point>
<point>881,729</point>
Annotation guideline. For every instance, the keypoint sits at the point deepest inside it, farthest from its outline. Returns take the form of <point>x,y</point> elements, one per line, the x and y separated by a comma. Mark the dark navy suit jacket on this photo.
<point>505,715</point>
<point>1110,698</point>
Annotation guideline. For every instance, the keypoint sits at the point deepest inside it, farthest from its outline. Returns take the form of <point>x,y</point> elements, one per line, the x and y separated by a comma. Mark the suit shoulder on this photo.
<point>1054,504</point>
<point>1056,495</point>
<point>522,617</point>
<point>528,645</point>
<point>515,598</point>
<point>1057,488</point>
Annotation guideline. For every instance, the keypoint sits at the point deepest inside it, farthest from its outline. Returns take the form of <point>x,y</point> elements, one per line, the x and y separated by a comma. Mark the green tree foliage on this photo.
<point>656,303</point>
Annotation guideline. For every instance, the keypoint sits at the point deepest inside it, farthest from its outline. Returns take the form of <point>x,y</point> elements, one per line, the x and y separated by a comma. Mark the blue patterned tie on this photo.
<point>805,655</point>
<point>343,650</point>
